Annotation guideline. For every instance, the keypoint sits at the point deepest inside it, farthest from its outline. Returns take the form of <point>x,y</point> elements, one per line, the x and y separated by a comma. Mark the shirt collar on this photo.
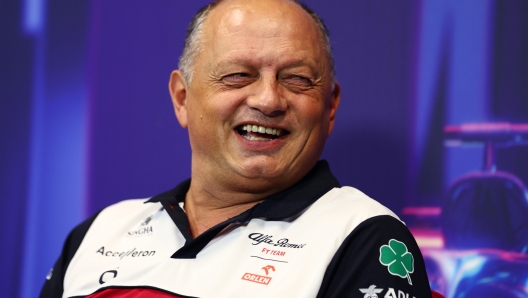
<point>279,206</point>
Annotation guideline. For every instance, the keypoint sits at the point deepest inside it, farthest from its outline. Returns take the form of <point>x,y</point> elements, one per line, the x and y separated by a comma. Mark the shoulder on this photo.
<point>351,205</point>
<point>117,212</point>
<point>118,218</point>
<point>353,196</point>
<point>53,287</point>
<point>125,209</point>
<point>121,212</point>
<point>365,257</point>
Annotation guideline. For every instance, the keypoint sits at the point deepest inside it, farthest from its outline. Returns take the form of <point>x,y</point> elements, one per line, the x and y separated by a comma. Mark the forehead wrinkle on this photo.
<point>257,54</point>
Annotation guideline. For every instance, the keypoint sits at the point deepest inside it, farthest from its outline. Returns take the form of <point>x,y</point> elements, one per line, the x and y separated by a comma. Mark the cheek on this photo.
<point>310,114</point>
<point>200,109</point>
<point>199,124</point>
<point>210,118</point>
<point>313,120</point>
<point>204,137</point>
<point>222,109</point>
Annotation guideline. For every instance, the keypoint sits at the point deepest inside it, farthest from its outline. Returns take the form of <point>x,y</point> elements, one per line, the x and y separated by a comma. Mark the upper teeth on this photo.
<point>261,129</point>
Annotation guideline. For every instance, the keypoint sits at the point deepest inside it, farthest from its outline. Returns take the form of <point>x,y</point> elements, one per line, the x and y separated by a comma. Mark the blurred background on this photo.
<point>432,124</point>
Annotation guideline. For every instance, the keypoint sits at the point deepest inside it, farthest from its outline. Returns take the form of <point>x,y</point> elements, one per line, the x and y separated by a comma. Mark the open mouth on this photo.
<point>260,133</point>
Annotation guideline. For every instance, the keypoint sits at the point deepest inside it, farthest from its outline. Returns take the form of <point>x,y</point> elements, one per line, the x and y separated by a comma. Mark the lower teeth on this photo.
<point>253,138</point>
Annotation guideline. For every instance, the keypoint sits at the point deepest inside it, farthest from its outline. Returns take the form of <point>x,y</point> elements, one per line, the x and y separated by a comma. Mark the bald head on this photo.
<point>194,38</point>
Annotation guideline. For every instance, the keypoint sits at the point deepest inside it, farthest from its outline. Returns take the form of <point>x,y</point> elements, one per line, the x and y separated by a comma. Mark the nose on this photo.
<point>267,98</point>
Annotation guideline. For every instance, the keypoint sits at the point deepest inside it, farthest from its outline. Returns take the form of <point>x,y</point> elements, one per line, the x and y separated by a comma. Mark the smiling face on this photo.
<point>261,102</point>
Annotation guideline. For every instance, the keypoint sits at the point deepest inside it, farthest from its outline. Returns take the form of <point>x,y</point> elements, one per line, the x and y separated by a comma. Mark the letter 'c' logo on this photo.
<point>107,275</point>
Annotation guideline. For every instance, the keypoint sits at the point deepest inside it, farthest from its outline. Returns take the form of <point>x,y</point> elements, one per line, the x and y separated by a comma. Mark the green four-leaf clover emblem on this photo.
<point>399,261</point>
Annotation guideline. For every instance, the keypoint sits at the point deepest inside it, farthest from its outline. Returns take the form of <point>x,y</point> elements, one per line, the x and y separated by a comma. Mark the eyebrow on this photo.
<point>248,63</point>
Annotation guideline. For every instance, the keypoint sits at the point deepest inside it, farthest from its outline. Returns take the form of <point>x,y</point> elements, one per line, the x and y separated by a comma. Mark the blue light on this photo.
<point>468,267</point>
<point>57,147</point>
<point>33,18</point>
<point>27,285</point>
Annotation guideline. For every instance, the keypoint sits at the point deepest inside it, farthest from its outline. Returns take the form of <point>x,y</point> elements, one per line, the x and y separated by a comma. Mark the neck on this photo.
<point>207,206</point>
<point>215,196</point>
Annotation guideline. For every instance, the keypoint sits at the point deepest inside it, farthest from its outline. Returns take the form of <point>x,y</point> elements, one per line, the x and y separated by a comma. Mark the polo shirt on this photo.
<point>315,239</point>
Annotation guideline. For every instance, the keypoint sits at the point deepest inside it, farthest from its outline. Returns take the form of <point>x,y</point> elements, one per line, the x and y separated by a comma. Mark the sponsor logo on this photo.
<point>143,230</point>
<point>371,292</point>
<point>391,293</point>
<point>259,238</point>
<point>107,275</point>
<point>256,278</point>
<point>269,267</point>
<point>146,222</point>
<point>398,260</point>
<point>273,252</point>
<point>260,279</point>
<point>122,254</point>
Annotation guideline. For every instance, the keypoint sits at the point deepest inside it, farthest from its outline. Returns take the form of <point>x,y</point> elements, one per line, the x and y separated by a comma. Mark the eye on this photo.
<point>237,79</point>
<point>298,81</point>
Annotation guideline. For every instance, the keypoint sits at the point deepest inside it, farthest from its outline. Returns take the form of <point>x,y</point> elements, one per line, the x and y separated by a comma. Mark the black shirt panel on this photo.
<point>356,265</point>
<point>53,287</point>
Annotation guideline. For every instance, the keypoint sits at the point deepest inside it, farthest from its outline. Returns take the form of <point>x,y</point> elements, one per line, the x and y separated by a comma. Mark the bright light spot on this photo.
<point>472,265</point>
<point>33,17</point>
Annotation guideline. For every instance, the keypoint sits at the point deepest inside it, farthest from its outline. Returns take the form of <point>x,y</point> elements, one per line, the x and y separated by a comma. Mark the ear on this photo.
<point>178,92</point>
<point>335,98</point>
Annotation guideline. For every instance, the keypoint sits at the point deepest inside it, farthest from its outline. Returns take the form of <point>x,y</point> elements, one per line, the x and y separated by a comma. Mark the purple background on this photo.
<point>86,119</point>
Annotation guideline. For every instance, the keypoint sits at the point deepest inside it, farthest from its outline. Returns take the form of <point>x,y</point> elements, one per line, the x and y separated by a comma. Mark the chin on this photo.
<point>261,170</point>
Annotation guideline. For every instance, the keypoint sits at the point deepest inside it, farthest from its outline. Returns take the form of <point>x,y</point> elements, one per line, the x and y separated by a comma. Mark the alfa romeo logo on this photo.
<point>398,260</point>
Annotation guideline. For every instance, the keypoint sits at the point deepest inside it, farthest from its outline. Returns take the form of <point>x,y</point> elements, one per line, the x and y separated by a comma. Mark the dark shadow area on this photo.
<point>509,102</point>
<point>16,75</point>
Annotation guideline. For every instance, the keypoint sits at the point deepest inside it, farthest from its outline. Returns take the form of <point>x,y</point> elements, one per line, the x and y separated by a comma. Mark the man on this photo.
<point>260,216</point>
